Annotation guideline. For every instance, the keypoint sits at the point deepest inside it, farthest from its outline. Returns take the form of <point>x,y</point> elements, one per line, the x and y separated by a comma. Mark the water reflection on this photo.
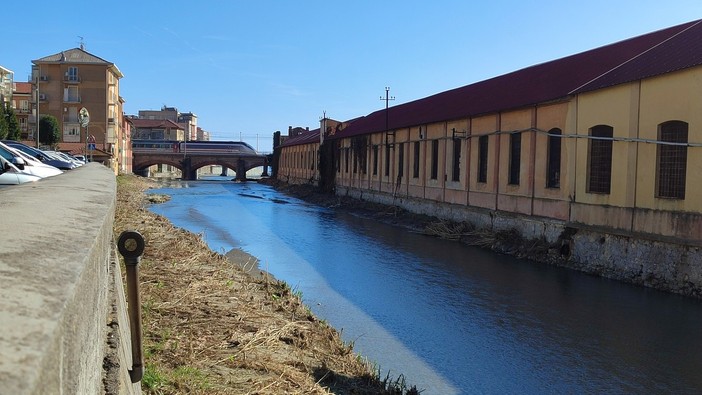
<point>454,319</point>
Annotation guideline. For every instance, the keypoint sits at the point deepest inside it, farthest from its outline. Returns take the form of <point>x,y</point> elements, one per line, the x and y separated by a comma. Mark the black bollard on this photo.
<point>131,246</point>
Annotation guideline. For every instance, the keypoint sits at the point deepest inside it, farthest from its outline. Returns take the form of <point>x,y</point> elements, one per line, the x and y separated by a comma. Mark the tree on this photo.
<point>3,123</point>
<point>49,131</point>
<point>13,128</point>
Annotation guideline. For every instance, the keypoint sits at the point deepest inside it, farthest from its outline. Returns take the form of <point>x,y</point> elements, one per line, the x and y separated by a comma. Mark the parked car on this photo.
<point>30,164</point>
<point>12,175</point>
<point>41,155</point>
<point>65,156</point>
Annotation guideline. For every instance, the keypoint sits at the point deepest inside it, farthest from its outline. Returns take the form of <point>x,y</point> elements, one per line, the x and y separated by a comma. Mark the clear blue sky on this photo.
<point>249,68</point>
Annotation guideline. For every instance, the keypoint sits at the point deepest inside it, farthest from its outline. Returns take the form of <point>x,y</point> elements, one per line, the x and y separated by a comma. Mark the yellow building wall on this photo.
<point>553,202</point>
<point>483,194</point>
<point>674,96</point>
<point>612,107</point>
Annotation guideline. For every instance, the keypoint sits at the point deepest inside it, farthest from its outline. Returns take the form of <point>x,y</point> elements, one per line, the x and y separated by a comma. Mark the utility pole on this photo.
<point>36,138</point>
<point>387,98</point>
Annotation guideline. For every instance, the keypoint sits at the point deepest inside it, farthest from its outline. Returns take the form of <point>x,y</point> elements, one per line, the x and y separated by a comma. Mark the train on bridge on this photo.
<point>192,147</point>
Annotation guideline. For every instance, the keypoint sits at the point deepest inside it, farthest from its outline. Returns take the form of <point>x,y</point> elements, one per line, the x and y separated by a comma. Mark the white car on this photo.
<point>29,164</point>
<point>12,175</point>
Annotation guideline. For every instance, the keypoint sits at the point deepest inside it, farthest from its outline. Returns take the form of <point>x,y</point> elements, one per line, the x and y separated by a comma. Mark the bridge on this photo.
<point>188,163</point>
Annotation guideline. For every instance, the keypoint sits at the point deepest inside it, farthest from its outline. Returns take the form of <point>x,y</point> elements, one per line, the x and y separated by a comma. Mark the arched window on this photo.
<point>671,160</point>
<point>553,166</point>
<point>599,177</point>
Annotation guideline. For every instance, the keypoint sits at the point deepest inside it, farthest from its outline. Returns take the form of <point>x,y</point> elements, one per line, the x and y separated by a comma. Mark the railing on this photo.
<point>72,79</point>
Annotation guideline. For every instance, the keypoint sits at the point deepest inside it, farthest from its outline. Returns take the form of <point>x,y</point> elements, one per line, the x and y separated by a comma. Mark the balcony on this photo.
<point>71,79</point>
<point>71,99</point>
<point>43,78</point>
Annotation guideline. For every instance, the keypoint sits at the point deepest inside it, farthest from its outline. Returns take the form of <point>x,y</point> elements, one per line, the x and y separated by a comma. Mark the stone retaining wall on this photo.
<point>58,282</point>
<point>658,262</point>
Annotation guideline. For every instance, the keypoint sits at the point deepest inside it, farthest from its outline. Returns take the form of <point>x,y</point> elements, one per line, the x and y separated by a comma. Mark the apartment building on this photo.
<point>6,81</point>
<point>22,102</point>
<point>73,79</point>
<point>186,120</point>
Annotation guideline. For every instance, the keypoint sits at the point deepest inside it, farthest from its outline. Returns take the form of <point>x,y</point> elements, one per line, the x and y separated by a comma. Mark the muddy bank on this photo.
<point>216,324</point>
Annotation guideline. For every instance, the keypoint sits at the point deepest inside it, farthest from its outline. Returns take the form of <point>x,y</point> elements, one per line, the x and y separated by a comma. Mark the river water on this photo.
<point>453,319</point>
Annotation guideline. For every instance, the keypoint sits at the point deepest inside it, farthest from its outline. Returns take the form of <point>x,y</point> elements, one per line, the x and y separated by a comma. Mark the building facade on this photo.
<point>605,143</point>
<point>6,85</point>
<point>156,129</point>
<point>187,121</point>
<point>73,79</point>
<point>22,100</point>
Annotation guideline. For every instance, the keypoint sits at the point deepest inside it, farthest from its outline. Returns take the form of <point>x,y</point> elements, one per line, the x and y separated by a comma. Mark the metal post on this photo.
<point>131,246</point>
<point>36,138</point>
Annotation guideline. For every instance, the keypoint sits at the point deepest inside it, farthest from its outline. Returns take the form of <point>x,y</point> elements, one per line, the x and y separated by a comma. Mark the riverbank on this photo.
<point>651,262</point>
<point>211,327</point>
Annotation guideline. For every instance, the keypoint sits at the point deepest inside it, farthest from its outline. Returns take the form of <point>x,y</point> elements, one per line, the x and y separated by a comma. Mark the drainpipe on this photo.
<point>534,135</point>
<point>498,136</point>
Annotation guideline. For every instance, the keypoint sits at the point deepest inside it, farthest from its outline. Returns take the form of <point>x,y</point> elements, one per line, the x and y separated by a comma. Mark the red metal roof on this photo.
<point>662,51</point>
<point>154,123</point>
<point>306,137</point>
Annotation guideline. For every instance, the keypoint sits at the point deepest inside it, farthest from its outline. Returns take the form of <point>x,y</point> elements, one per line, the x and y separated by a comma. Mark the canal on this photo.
<point>450,318</point>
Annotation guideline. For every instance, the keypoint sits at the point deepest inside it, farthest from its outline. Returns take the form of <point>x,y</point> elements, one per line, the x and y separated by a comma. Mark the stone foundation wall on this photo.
<point>648,260</point>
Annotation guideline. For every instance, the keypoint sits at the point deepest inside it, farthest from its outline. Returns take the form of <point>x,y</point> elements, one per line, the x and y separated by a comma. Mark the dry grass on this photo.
<point>211,328</point>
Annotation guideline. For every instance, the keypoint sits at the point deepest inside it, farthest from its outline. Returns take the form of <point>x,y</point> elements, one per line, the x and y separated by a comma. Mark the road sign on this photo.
<point>91,139</point>
<point>84,117</point>
<point>91,146</point>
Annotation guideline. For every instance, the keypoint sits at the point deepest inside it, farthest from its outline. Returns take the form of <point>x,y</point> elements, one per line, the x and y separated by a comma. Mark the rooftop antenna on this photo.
<point>82,44</point>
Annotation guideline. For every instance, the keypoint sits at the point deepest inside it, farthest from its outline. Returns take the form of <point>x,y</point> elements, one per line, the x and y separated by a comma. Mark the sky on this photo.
<point>250,68</point>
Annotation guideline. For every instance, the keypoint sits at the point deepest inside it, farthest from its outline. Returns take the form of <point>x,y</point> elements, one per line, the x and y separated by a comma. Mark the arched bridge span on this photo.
<point>189,163</point>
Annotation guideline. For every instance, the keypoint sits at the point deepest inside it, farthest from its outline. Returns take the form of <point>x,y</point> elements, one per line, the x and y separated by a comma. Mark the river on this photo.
<point>449,318</point>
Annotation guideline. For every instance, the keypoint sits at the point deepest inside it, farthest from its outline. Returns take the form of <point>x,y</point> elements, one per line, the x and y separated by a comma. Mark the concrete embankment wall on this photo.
<point>61,299</point>
<point>642,259</point>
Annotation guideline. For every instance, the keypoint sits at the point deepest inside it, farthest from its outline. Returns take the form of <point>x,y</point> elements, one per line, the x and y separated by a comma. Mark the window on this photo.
<point>553,166</point>
<point>482,158</point>
<point>415,163</point>
<point>71,130</point>
<point>72,74</point>
<point>401,160</point>
<point>600,159</point>
<point>515,157</point>
<point>71,94</point>
<point>346,160</point>
<point>375,160</point>
<point>387,159</point>
<point>456,174</point>
<point>338,160</point>
<point>671,160</point>
<point>355,161</point>
<point>434,159</point>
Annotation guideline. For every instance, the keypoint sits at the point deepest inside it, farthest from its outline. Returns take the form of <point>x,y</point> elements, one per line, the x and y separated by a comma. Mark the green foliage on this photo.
<point>4,129</point>
<point>153,381</point>
<point>49,131</point>
<point>13,127</point>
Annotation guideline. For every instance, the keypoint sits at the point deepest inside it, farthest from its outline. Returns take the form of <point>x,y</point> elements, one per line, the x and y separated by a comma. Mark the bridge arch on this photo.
<point>188,164</point>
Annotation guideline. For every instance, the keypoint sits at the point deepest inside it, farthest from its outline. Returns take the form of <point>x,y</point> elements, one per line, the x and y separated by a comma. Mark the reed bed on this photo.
<point>217,325</point>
